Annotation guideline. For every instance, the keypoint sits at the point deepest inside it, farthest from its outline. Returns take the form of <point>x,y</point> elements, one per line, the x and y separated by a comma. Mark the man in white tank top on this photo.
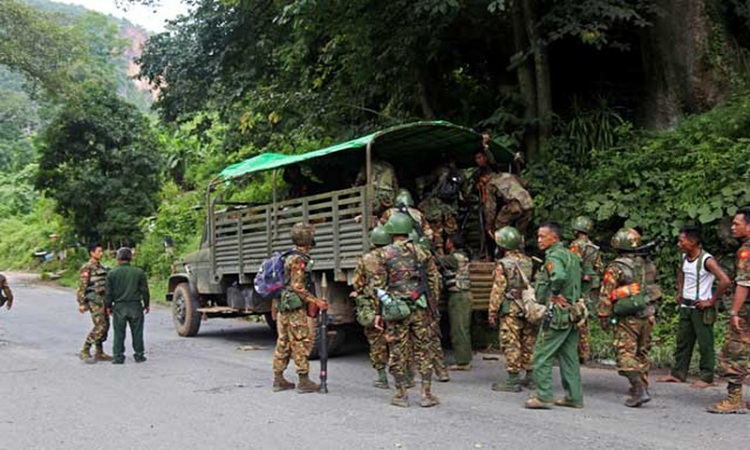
<point>697,299</point>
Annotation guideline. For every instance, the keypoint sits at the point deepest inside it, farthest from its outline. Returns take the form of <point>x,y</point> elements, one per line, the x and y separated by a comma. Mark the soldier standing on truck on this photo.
<point>440,205</point>
<point>406,267</point>
<point>385,184</point>
<point>90,296</point>
<point>405,204</point>
<point>368,274</point>
<point>591,269</point>
<point>507,203</point>
<point>294,332</point>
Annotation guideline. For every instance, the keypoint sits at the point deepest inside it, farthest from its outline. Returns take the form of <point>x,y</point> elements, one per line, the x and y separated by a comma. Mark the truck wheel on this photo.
<point>336,338</point>
<point>270,322</point>
<point>187,319</point>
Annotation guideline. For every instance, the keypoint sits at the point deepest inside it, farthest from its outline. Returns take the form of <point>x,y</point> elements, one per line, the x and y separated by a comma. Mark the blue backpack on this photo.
<point>269,281</point>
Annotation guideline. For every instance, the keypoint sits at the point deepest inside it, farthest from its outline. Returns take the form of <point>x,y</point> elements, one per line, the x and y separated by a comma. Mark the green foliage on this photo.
<point>24,234</point>
<point>100,161</point>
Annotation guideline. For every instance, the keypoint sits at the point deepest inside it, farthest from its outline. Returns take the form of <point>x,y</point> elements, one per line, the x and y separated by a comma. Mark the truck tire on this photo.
<point>270,322</point>
<point>336,337</point>
<point>187,319</point>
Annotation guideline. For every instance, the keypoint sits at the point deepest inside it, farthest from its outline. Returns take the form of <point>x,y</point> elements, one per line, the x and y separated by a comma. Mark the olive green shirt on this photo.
<point>127,284</point>
<point>560,275</point>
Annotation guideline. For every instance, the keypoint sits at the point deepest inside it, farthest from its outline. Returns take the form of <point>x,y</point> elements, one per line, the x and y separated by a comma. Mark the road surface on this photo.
<point>207,392</point>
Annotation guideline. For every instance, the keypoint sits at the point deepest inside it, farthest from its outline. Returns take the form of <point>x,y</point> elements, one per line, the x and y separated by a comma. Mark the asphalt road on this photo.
<point>206,392</point>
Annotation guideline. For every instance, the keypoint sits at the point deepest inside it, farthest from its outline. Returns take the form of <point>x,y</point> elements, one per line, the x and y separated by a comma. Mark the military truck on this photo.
<point>217,280</point>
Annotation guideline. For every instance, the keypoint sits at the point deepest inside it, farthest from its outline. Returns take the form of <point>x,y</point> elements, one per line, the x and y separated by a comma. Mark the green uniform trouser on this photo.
<point>562,344</point>
<point>459,312</point>
<point>127,314</point>
<point>691,328</point>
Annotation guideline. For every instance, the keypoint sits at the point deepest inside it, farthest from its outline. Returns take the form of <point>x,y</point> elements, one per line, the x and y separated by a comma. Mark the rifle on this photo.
<point>324,340</point>
<point>648,248</point>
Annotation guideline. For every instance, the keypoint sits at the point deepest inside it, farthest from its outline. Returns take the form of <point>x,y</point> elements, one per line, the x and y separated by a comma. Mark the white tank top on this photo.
<point>697,281</point>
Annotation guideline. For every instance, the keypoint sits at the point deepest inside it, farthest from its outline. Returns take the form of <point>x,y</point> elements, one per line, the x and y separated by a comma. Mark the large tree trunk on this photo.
<point>527,80</point>
<point>679,77</point>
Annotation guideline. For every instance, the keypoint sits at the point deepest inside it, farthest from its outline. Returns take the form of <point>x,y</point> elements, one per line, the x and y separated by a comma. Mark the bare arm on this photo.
<point>724,280</point>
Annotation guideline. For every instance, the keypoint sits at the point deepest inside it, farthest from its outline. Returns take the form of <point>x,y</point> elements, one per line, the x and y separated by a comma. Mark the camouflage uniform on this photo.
<point>735,355</point>
<point>294,332</point>
<point>6,297</point>
<point>367,274</point>
<point>632,333</point>
<point>442,213</point>
<point>385,184</point>
<point>456,275</point>
<point>91,291</point>
<point>415,333</point>
<point>517,335</point>
<point>591,268</point>
<point>517,206</point>
<point>416,215</point>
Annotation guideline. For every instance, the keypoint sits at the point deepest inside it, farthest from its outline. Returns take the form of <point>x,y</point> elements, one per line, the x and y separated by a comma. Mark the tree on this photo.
<point>100,162</point>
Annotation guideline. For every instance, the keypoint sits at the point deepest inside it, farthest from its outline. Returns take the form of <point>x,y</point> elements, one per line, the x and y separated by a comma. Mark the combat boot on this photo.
<point>442,373</point>
<point>733,404</point>
<point>401,397</point>
<point>637,391</point>
<point>382,380</point>
<point>100,355</point>
<point>85,354</point>
<point>511,384</point>
<point>528,381</point>
<point>536,403</point>
<point>305,386</point>
<point>280,383</point>
<point>427,398</point>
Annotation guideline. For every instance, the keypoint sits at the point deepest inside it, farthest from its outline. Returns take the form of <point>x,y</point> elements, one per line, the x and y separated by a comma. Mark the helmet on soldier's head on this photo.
<point>303,234</point>
<point>508,238</point>
<point>404,198</point>
<point>626,239</point>
<point>583,224</point>
<point>379,237</point>
<point>399,223</point>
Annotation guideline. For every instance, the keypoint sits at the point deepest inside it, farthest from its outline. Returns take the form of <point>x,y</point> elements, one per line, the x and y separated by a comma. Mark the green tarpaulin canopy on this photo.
<point>419,143</point>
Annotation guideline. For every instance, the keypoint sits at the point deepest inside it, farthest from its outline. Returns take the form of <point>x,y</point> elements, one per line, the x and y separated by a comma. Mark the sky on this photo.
<point>151,19</point>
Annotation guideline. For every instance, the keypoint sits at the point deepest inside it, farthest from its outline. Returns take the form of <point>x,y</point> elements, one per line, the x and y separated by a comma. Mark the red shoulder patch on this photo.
<point>550,266</point>
<point>744,254</point>
<point>85,273</point>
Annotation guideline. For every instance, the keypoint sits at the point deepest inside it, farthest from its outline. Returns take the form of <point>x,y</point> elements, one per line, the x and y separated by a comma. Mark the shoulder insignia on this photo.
<point>550,266</point>
<point>85,273</point>
<point>744,254</point>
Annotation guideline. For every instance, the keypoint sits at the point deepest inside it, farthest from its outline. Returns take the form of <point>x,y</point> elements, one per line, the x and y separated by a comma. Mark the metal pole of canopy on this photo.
<point>274,177</point>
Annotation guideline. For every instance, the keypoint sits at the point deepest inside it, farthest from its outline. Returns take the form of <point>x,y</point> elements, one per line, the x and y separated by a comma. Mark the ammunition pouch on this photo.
<point>628,300</point>
<point>395,309</point>
<point>365,311</point>
<point>289,301</point>
<point>579,313</point>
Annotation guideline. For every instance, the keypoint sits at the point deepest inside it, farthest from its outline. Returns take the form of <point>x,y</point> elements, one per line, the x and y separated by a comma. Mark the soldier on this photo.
<point>369,273</point>
<point>440,205</point>
<point>410,274</point>
<point>557,285</point>
<point>516,205</point>
<point>385,184</point>
<point>6,295</point>
<point>405,203</point>
<point>90,296</point>
<point>697,308</point>
<point>455,268</point>
<point>626,302</point>
<point>591,268</point>
<point>294,338</point>
<point>127,299</point>
<point>517,335</point>
<point>735,355</point>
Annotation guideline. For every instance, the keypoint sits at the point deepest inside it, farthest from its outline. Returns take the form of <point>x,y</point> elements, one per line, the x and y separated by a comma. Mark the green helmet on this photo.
<point>508,238</point>
<point>404,198</point>
<point>303,234</point>
<point>399,223</point>
<point>626,239</point>
<point>379,237</point>
<point>583,224</point>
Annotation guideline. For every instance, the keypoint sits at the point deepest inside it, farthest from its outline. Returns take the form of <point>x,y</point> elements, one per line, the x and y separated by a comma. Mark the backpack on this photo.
<point>449,188</point>
<point>269,281</point>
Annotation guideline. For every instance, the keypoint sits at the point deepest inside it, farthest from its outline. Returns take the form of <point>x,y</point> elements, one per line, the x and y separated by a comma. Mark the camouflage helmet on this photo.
<point>508,238</point>
<point>399,223</point>
<point>303,234</point>
<point>404,198</point>
<point>583,224</point>
<point>626,239</point>
<point>379,237</point>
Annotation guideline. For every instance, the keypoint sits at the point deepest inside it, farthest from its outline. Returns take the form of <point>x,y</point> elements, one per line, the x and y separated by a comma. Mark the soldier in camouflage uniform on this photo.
<point>440,205</point>
<point>557,285</point>
<point>294,332</point>
<point>626,283</point>
<point>735,355</point>
<point>406,265</point>
<point>517,335</point>
<point>367,274</point>
<point>591,268</point>
<point>385,184</point>
<point>516,208</point>
<point>405,203</point>
<point>455,269</point>
<point>6,295</point>
<point>90,296</point>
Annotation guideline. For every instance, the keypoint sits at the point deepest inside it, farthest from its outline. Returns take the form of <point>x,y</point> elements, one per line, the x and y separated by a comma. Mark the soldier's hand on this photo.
<point>492,319</point>
<point>147,309</point>
<point>82,308</point>
<point>704,304</point>
<point>9,304</point>
<point>560,301</point>
<point>735,321</point>
<point>353,294</point>
<point>321,304</point>
<point>604,323</point>
<point>379,324</point>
